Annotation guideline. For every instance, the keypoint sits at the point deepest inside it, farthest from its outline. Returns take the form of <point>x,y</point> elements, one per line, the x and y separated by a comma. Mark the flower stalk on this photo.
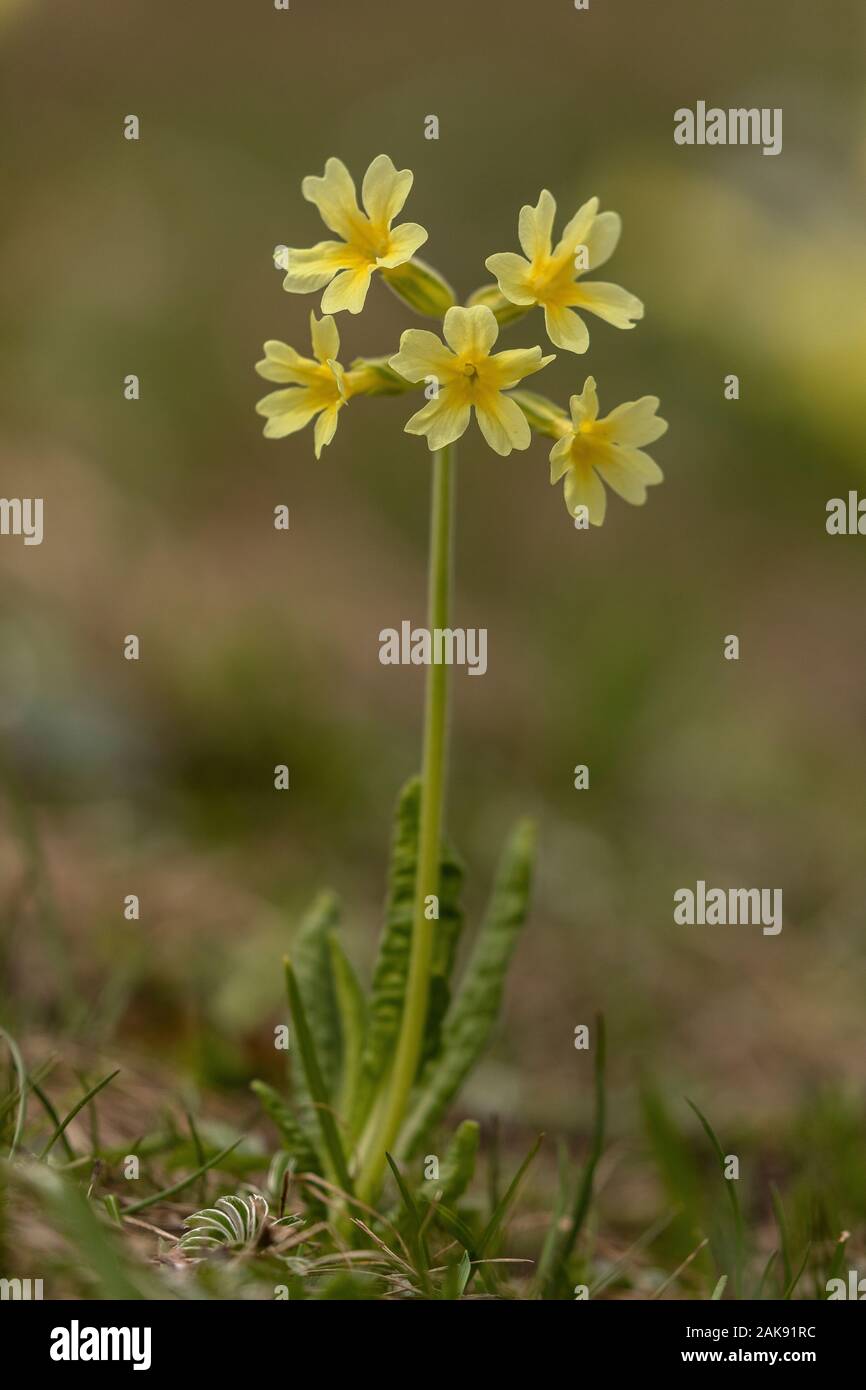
<point>433,778</point>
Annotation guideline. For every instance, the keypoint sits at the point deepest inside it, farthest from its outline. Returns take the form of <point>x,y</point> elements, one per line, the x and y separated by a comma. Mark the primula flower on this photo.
<point>319,387</point>
<point>467,376</point>
<point>551,277</point>
<point>590,451</point>
<point>368,240</point>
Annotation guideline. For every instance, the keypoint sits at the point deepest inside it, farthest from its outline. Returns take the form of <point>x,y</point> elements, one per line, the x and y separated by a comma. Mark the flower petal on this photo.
<point>325,337</point>
<point>470,332</point>
<point>565,329</point>
<point>611,302</point>
<point>511,272</point>
<point>624,479</point>
<point>636,422</point>
<point>311,268</point>
<point>560,457</point>
<point>584,488</point>
<point>502,422</point>
<point>334,196</point>
<point>602,238</point>
<point>385,190</point>
<point>288,411</point>
<point>421,354</point>
<point>348,290</point>
<point>585,406</point>
<point>640,464</point>
<point>577,230</point>
<point>402,244</point>
<point>509,367</point>
<point>282,363</point>
<point>442,420</point>
<point>535,226</point>
<point>326,427</point>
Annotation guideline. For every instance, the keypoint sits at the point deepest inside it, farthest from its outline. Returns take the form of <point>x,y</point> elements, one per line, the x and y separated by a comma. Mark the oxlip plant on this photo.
<point>377,1071</point>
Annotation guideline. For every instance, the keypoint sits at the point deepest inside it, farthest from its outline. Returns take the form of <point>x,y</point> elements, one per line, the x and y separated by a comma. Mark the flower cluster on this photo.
<point>459,371</point>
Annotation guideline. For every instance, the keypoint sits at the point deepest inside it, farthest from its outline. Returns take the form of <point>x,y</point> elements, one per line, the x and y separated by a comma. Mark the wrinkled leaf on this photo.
<point>473,1014</point>
<point>311,957</point>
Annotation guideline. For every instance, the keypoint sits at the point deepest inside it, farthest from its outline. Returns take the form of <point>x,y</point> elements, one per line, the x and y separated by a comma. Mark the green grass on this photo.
<point>447,1238</point>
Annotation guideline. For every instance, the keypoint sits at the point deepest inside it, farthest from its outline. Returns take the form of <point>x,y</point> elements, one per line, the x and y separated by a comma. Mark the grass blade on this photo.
<point>798,1276</point>
<point>550,1278</point>
<point>507,1201</point>
<point>172,1191</point>
<point>415,1234</point>
<point>85,1100</point>
<point>731,1185</point>
<point>21,1071</point>
<point>784,1238</point>
<point>53,1116</point>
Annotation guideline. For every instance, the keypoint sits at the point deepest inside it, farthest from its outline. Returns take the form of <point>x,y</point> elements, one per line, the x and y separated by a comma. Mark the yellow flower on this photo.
<point>368,240</point>
<point>319,387</point>
<point>590,450</point>
<point>467,375</point>
<point>551,277</point>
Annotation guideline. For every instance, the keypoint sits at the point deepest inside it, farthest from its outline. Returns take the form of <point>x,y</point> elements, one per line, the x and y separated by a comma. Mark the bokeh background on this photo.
<point>260,647</point>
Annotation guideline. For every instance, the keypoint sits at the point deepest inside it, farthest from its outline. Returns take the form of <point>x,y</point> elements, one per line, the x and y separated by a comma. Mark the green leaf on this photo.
<point>294,1136</point>
<point>392,963</point>
<point>457,1169</point>
<point>311,956</point>
<point>352,1010</point>
<point>316,1085</point>
<point>233,1222</point>
<point>471,1017</point>
<point>447,935</point>
<point>716,1295</point>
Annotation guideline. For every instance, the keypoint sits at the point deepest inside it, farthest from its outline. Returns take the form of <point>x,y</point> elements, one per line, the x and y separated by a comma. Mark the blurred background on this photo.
<point>260,647</point>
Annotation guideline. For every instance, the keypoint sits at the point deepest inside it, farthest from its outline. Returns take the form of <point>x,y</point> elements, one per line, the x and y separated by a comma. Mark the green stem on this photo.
<point>429,839</point>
